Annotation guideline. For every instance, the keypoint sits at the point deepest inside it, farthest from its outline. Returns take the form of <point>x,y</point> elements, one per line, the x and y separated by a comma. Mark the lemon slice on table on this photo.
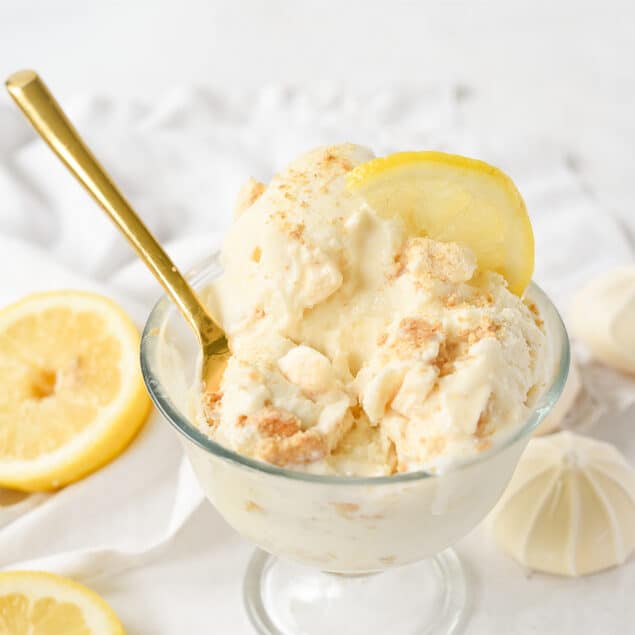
<point>72,393</point>
<point>38,603</point>
<point>451,198</point>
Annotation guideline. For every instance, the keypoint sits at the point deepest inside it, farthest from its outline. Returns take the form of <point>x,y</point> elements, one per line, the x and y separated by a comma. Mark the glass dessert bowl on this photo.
<point>322,539</point>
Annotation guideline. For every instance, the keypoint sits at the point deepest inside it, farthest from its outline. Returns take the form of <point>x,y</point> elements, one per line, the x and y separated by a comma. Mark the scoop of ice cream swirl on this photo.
<point>345,328</point>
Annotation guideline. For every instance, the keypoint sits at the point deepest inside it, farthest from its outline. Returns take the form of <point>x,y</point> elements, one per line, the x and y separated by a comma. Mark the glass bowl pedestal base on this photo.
<point>286,598</point>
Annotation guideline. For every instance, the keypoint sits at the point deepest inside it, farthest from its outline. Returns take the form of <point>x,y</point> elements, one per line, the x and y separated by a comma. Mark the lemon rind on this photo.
<point>25,582</point>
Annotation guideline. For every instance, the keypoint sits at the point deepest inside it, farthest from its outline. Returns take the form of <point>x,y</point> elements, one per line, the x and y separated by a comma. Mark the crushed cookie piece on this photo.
<point>398,267</point>
<point>417,331</point>
<point>533,308</point>
<point>381,339</point>
<point>448,262</point>
<point>256,254</point>
<point>346,510</point>
<point>259,313</point>
<point>446,369</point>
<point>451,301</point>
<point>331,160</point>
<point>276,423</point>
<point>454,348</point>
<point>357,411</point>
<point>347,166</point>
<point>483,444</point>
<point>297,231</point>
<point>434,445</point>
<point>252,506</point>
<point>483,425</point>
<point>479,299</point>
<point>487,328</point>
<point>293,230</point>
<point>391,457</point>
<point>302,447</point>
<point>536,313</point>
<point>211,401</point>
<point>248,194</point>
<point>279,217</point>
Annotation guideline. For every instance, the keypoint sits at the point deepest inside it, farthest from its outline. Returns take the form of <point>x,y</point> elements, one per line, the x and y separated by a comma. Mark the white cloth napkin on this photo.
<point>181,162</point>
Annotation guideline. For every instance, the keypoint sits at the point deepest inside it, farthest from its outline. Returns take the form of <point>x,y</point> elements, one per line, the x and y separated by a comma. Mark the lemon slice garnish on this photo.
<point>72,393</point>
<point>38,603</point>
<point>451,198</point>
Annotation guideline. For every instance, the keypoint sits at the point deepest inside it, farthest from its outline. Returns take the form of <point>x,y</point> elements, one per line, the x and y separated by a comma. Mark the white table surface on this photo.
<point>561,72</point>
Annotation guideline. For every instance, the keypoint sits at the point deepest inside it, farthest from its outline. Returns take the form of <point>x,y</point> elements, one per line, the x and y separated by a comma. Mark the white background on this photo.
<point>561,69</point>
<point>560,72</point>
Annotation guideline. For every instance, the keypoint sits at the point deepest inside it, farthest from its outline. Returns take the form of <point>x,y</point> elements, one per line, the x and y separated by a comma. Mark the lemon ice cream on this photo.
<point>361,346</point>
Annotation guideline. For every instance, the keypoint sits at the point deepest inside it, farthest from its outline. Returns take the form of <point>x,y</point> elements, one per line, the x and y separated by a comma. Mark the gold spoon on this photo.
<point>40,107</point>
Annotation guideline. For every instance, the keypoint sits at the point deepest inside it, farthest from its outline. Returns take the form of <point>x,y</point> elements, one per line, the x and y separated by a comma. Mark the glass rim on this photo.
<point>200,274</point>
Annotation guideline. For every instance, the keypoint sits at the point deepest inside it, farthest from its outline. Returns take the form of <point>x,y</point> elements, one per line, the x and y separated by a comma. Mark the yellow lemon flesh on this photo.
<point>38,603</point>
<point>451,198</point>
<point>72,394</point>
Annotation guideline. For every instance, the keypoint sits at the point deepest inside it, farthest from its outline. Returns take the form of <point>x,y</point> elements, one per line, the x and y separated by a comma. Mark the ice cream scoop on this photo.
<point>362,345</point>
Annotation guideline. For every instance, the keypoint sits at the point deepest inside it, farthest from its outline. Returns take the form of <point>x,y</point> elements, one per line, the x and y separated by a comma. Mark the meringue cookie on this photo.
<point>603,317</point>
<point>570,507</point>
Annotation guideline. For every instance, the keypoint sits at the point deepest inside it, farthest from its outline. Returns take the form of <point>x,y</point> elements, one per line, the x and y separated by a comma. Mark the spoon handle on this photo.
<point>47,117</point>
